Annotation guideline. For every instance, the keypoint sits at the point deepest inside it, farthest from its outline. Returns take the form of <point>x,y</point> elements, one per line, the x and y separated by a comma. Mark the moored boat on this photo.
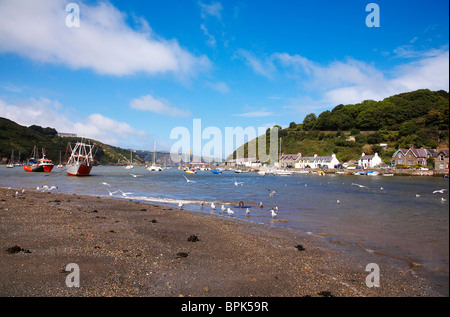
<point>38,165</point>
<point>282,173</point>
<point>81,160</point>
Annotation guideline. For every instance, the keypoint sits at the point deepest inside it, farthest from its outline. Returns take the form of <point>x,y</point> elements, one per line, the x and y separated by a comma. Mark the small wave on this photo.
<point>162,200</point>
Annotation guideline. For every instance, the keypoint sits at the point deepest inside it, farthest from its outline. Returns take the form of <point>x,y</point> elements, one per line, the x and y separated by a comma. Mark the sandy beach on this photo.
<point>126,248</point>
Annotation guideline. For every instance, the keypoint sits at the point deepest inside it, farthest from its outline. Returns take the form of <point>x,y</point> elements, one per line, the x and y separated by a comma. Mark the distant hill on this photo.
<point>22,140</point>
<point>418,118</point>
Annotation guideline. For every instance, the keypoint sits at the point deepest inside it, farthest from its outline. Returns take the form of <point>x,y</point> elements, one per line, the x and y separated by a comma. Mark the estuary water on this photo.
<point>399,217</point>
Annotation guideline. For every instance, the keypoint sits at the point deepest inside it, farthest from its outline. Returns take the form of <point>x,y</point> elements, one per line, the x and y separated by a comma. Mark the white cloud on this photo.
<point>104,42</point>
<point>352,81</point>
<point>50,113</point>
<point>149,103</point>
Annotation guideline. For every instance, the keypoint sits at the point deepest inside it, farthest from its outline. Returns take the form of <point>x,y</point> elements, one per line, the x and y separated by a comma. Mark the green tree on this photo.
<point>309,121</point>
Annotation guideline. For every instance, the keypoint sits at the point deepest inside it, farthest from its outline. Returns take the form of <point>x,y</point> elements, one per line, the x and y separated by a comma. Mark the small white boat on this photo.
<point>282,173</point>
<point>154,168</point>
<point>373,173</point>
<point>389,174</point>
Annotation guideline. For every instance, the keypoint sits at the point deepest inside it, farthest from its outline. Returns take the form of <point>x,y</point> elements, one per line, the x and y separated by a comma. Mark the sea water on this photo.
<point>396,217</point>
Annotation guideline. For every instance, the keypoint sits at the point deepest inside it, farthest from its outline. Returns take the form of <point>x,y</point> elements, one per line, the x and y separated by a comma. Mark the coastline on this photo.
<point>126,248</point>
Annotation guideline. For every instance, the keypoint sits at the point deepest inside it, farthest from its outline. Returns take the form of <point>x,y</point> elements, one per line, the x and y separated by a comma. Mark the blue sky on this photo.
<point>134,70</point>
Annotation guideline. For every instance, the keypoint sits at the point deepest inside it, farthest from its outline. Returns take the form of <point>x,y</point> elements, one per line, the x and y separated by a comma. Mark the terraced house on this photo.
<point>441,160</point>
<point>420,157</point>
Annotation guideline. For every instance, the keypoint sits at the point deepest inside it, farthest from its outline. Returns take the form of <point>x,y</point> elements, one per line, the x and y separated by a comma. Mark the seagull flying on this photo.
<point>125,194</point>
<point>361,186</point>
<point>188,180</point>
<point>238,183</point>
<point>135,175</point>
<point>441,191</point>
<point>111,193</point>
<point>106,184</point>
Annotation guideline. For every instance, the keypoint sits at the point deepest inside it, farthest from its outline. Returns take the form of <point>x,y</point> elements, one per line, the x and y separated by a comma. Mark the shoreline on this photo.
<point>130,248</point>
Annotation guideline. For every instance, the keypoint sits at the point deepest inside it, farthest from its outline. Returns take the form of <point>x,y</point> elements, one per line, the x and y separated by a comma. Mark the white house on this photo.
<point>369,161</point>
<point>317,161</point>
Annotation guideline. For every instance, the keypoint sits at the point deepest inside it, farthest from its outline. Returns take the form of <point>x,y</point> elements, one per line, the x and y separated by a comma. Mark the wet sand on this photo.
<point>125,248</point>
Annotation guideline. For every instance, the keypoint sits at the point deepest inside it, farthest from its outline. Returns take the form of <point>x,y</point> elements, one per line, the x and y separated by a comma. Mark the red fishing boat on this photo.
<point>81,160</point>
<point>38,165</point>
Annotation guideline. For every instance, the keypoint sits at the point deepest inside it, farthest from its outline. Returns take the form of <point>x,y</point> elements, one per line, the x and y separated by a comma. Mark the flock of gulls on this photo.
<point>213,207</point>
<point>272,212</point>
<point>229,211</point>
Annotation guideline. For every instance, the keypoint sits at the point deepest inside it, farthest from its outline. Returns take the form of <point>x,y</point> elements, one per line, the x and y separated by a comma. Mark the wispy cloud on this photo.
<point>255,114</point>
<point>262,66</point>
<point>213,9</point>
<point>211,39</point>
<point>104,42</point>
<point>221,87</point>
<point>160,106</point>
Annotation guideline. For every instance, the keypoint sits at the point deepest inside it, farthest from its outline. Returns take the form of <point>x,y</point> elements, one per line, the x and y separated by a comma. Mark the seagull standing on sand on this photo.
<point>273,213</point>
<point>247,211</point>
<point>230,212</point>
<point>417,195</point>
<point>223,208</point>
<point>213,206</point>
<point>180,204</point>
<point>260,205</point>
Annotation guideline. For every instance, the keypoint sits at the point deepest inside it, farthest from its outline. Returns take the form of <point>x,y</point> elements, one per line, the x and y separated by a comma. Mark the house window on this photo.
<point>441,166</point>
<point>410,155</point>
<point>441,157</point>
<point>399,155</point>
<point>400,162</point>
<point>410,162</point>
